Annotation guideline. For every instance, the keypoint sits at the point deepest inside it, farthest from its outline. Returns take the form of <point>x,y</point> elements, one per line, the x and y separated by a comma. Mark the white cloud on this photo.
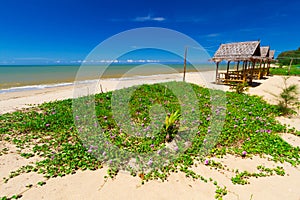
<point>213,35</point>
<point>149,18</point>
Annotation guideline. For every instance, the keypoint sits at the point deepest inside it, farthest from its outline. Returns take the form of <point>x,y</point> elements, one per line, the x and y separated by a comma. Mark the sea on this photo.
<point>29,77</point>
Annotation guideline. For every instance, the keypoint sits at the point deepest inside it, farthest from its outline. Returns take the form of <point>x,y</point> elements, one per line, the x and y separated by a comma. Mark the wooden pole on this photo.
<point>260,72</point>
<point>252,71</point>
<point>217,72</point>
<point>184,65</point>
<point>228,63</point>
<point>245,70</point>
<point>289,70</point>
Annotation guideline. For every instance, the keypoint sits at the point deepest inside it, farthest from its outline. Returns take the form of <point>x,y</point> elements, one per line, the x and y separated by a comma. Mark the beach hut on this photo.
<point>261,68</point>
<point>244,54</point>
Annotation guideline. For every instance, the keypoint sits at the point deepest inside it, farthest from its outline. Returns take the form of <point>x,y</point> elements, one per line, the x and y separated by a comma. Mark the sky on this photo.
<point>66,31</point>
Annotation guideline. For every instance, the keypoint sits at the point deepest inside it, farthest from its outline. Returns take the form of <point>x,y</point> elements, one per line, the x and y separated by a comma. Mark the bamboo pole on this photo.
<point>184,65</point>
<point>289,70</point>
<point>217,72</point>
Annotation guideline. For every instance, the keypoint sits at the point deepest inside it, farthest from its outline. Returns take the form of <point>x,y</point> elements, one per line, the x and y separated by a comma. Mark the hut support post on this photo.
<point>252,71</point>
<point>264,69</point>
<point>245,64</point>
<point>217,72</point>
<point>260,70</point>
<point>228,63</point>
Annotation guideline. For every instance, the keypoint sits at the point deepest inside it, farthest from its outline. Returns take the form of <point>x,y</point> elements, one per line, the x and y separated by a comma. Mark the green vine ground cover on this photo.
<point>49,131</point>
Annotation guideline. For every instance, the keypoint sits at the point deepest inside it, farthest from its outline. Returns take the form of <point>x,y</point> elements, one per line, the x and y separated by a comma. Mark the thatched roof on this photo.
<point>264,51</point>
<point>238,51</point>
<point>271,54</point>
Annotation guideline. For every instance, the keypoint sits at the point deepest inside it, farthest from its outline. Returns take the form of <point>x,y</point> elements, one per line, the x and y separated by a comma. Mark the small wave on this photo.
<point>33,87</point>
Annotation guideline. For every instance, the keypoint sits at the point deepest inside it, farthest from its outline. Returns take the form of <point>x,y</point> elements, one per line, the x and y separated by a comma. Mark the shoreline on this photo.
<point>15,100</point>
<point>43,85</point>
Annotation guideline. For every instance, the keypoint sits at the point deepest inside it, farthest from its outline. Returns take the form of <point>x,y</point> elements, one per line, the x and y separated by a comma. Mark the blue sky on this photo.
<point>47,31</point>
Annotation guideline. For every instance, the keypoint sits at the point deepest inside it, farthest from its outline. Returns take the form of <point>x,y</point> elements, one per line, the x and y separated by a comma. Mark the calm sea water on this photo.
<point>25,77</point>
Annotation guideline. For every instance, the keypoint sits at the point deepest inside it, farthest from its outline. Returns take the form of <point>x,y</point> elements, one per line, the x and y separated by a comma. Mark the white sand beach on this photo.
<point>92,184</point>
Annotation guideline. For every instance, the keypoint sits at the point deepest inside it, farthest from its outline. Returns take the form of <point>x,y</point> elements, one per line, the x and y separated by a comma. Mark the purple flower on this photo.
<point>235,126</point>
<point>145,118</point>
<point>104,153</point>
<point>206,162</point>
<point>77,117</point>
<point>152,146</point>
<point>105,117</point>
<point>89,150</point>
<point>245,119</point>
<point>244,153</point>
<point>268,131</point>
<point>208,131</point>
<point>150,162</point>
<point>204,141</point>
<point>176,148</point>
<point>47,125</point>
<point>53,113</point>
<point>208,118</point>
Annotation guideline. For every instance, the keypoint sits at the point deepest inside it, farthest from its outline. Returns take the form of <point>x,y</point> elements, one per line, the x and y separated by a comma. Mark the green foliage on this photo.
<point>295,70</point>
<point>242,178</point>
<point>12,197</point>
<point>49,131</point>
<point>240,88</point>
<point>284,58</point>
<point>170,120</point>
<point>41,183</point>
<point>220,192</point>
<point>287,97</point>
<point>170,123</point>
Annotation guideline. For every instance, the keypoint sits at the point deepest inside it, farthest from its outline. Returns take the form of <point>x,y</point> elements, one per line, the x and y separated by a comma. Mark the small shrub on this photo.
<point>170,125</point>
<point>288,97</point>
<point>240,88</point>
